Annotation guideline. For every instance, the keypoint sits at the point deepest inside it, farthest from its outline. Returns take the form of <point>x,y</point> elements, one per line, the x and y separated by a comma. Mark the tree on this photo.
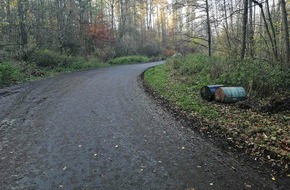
<point>245,20</point>
<point>286,30</point>
<point>208,27</point>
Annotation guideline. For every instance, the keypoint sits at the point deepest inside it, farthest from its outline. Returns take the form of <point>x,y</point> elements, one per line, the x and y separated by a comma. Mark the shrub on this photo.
<point>129,60</point>
<point>260,78</point>
<point>9,74</point>
<point>105,53</point>
<point>168,52</point>
<point>81,64</point>
<point>47,58</point>
<point>150,49</point>
<point>127,45</point>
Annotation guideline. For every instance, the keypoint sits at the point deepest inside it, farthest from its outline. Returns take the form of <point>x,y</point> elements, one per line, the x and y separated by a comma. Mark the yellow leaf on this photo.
<point>13,3</point>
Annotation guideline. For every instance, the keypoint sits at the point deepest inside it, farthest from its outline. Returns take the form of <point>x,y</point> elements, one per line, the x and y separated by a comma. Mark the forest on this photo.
<point>231,42</point>
<point>112,28</point>
<point>40,37</point>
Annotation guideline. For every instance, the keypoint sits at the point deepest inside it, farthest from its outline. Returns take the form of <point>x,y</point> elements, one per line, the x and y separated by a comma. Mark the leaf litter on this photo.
<point>258,131</point>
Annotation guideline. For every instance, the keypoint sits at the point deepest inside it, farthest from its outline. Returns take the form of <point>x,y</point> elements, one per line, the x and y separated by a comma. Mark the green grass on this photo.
<point>32,71</point>
<point>180,80</point>
<point>47,63</point>
<point>10,74</point>
<point>129,60</point>
<point>182,94</point>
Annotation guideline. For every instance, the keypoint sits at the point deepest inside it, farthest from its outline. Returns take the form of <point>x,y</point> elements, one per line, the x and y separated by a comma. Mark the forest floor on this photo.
<point>263,132</point>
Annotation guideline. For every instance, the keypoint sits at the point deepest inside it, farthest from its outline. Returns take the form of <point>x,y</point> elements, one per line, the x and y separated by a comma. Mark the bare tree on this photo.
<point>245,20</point>
<point>208,27</point>
<point>251,30</point>
<point>274,50</point>
<point>286,30</point>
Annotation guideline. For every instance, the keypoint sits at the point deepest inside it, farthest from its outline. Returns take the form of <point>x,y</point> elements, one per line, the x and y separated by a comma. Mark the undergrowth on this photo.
<point>263,135</point>
<point>46,63</point>
<point>10,74</point>
<point>260,79</point>
<point>129,60</point>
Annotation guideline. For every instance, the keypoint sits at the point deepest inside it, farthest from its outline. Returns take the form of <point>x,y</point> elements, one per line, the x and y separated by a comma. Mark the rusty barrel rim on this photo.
<point>230,94</point>
<point>207,92</point>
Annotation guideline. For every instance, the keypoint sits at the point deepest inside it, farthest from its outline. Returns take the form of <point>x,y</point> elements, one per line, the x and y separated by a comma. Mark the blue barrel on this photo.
<point>230,94</point>
<point>207,92</point>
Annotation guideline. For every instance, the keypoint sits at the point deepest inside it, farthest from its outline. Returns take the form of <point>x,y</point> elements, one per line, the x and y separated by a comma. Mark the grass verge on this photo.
<point>129,60</point>
<point>47,63</point>
<point>265,136</point>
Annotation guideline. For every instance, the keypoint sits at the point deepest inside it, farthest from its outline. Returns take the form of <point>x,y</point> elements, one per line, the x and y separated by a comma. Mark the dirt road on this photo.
<point>97,129</point>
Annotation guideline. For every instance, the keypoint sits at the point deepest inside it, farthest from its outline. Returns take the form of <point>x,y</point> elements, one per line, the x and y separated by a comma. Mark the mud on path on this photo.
<point>98,130</point>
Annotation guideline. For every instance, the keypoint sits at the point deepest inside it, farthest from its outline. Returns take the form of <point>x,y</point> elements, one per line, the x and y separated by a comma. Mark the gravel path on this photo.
<point>97,129</point>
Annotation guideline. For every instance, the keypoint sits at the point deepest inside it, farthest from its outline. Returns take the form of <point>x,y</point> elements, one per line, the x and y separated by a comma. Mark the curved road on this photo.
<point>97,129</point>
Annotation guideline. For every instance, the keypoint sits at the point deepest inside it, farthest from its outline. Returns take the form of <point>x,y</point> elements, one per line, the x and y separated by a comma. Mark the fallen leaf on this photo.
<point>273,178</point>
<point>248,186</point>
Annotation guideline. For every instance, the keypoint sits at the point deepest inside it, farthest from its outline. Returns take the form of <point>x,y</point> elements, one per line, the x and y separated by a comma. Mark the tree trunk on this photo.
<point>227,25</point>
<point>286,30</point>
<point>9,16</point>
<point>267,29</point>
<point>245,20</point>
<point>275,50</point>
<point>112,14</point>
<point>22,27</point>
<point>251,32</point>
<point>208,27</point>
<point>231,17</point>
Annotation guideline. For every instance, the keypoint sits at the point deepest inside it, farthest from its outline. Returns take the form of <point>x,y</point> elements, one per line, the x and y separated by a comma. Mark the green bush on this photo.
<point>150,49</point>
<point>48,58</point>
<point>81,64</point>
<point>9,74</point>
<point>129,60</point>
<point>258,77</point>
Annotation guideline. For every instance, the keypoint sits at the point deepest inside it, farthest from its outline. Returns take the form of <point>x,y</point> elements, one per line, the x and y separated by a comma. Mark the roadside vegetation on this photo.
<point>47,63</point>
<point>129,60</point>
<point>260,125</point>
